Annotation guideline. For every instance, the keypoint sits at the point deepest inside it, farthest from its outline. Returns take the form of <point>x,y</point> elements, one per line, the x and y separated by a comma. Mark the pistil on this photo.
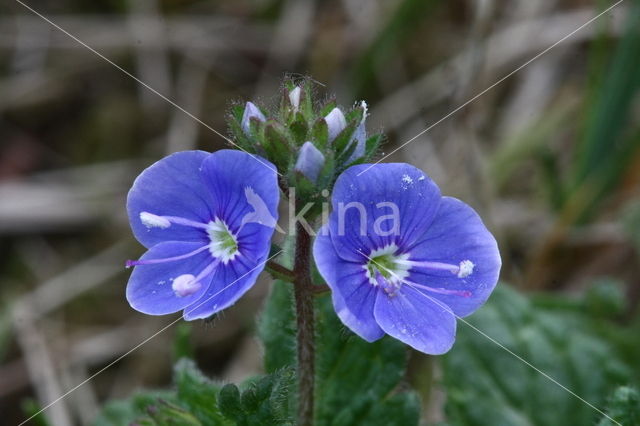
<point>130,263</point>
<point>186,284</point>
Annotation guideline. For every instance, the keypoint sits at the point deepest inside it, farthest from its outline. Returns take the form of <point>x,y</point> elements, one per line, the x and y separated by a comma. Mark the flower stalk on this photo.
<point>304,295</point>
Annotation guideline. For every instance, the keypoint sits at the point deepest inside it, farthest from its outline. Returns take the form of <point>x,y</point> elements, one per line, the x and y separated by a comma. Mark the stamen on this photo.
<point>151,220</point>
<point>392,285</point>
<point>466,268</point>
<point>130,263</point>
<point>463,270</point>
<point>439,290</point>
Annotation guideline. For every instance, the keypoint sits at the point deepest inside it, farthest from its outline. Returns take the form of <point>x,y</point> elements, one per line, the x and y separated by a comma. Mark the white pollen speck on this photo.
<point>466,268</point>
<point>421,178</point>
<point>154,221</point>
<point>185,285</point>
<point>406,181</point>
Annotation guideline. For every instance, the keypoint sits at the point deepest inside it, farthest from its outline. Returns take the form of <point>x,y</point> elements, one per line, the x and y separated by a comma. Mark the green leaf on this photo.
<point>197,393</point>
<point>123,412</point>
<point>356,379</point>
<point>264,400</point>
<point>277,328</point>
<point>193,403</point>
<point>229,402</point>
<point>400,409</point>
<point>488,385</point>
<point>623,407</point>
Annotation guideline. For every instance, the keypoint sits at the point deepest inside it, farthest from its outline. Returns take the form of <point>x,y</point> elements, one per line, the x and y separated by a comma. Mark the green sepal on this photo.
<point>299,129</point>
<point>235,127</point>
<point>355,115</point>
<point>372,145</point>
<point>327,173</point>
<point>276,144</point>
<point>306,102</point>
<point>341,142</point>
<point>327,107</point>
<point>320,135</point>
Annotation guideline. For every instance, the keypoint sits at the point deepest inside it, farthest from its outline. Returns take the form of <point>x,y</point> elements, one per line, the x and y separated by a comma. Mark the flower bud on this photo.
<point>360,136</point>
<point>294,98</point>
<point>336,123</point>
<point>250,111</point>
<point>310,161</point>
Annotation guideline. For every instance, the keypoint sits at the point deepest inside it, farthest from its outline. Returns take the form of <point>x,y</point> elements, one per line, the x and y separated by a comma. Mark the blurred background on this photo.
<point>549,157</point>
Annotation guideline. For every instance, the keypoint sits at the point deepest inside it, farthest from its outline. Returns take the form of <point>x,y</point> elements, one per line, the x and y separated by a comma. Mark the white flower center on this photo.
<point>388,263</point>
<point>223,245</point>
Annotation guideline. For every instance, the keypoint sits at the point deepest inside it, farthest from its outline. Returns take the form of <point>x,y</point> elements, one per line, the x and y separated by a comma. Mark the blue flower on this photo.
<point>207,222</point>
<point>401,259</point>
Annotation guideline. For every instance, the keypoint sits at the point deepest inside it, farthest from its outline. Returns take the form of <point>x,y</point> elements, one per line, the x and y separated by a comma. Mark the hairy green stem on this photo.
<point>280,272</point>
<point>303,290</point>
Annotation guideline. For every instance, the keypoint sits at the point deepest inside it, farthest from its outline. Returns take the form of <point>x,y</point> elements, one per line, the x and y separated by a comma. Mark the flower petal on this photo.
<point>353,296</point>
<point>150,286</point>
<point>382,191</point>
<point>310,161</point>
<point>457,234</point>
<point>336,123</point>
<point>170,187</point>
<point>244,188</point>
<point>360,139</point>
<point>294,98</point>
<point>250,111</point>
<point>416,320</point>
<point>229,283</point>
